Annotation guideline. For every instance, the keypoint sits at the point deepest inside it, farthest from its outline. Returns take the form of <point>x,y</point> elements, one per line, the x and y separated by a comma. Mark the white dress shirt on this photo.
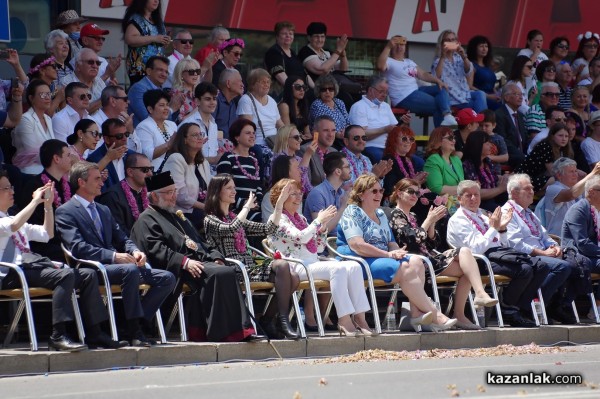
<point>373,116</point>
<point>461,232</point>
<point>31,232</point>
<point>211,147</point>
<point>64,121</point>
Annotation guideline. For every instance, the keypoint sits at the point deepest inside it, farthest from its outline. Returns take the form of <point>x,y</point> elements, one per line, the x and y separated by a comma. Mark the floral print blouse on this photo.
<point>291,241</point>
<point>356,223</point>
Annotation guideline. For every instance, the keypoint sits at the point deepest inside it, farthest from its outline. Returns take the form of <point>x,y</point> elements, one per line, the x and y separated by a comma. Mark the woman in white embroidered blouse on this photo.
<point>296,238</point>
<point>156,132</point>
<point>34,128</point>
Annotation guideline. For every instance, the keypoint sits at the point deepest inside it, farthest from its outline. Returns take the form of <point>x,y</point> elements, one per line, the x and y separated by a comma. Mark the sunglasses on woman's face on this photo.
<point>296,137</point>
<point>406,139</point>
<point>449,138</point>
<point>299,87</point>
<point>376,191</point>
<point>193,72</point>
<point>410,191</point>
<point>324,89</point>
<point>94,133</point>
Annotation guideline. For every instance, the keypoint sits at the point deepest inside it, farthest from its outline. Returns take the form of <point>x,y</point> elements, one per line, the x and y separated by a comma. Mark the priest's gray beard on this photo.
<point>162,204</point>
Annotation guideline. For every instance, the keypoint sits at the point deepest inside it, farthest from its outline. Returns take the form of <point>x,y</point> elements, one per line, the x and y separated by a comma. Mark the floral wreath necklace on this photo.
<point>300,224</point>
<point>533,228</point>
<point>480,229</point>
<point>66,189</point>
<point>128,191</point>
<point>351,160</point>
<point>256,175</point>
<point>594,213</point>
<point>411,170</point>
<point>239,237</point>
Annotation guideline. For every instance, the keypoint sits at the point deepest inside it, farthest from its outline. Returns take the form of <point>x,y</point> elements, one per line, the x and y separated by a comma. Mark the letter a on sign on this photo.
<point>425,13</point>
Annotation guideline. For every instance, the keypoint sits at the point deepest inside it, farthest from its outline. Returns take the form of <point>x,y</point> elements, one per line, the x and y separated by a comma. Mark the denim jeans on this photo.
<point>478,102</point>
<point>428,100</point>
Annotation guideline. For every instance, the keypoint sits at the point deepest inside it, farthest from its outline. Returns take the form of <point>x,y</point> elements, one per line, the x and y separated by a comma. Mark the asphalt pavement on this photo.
<point>323,378</point>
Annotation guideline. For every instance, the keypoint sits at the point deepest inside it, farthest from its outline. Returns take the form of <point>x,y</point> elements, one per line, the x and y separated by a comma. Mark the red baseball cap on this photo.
<point>93,30</point>
<point>468,115</point>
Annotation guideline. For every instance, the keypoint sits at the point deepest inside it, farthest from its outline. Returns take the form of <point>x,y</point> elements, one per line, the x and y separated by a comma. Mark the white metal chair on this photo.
<point>375,285</point>
<point>313,285</point>
<point>24,297</point>
<point>107,290</point>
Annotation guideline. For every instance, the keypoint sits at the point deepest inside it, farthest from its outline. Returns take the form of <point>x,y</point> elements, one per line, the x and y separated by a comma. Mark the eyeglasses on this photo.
<point>549,94</point>
<point>185,41</point>
<point>168,192</point>
<point>193,72</point>
<point>358,138</point>
<point>237,53</point>
<point>9,188</point>
<point>92,62</point>
<point>529,66</point>
<point>406,139</point>
<point>449,138</point>
<point>563,46</point>
<point>46,95</point>
<point>99,38</point>
<point>591,45</point>
<point>410,191</point>
<point>550,69</point>
<point>94,133</point>
<point>124,98</point>
<point>296,137</point>
<point>84,96</point>
<point>376,191</point>
<point>299,87</point>
<point>195,136</point>
<point>144,169</point>
<point>118,136</point>
<point>324,89</point>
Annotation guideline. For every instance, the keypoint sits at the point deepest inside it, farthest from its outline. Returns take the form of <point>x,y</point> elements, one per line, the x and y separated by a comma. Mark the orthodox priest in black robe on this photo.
<point>217,311</point>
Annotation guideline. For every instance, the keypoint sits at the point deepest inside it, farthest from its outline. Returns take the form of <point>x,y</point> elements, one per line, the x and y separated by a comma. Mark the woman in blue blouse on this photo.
<point>326,103</point>
<point>364,231</point>
<point>479,52</point>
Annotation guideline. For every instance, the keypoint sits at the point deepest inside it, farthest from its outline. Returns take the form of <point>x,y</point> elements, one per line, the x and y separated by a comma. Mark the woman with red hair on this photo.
<point>400,147</point>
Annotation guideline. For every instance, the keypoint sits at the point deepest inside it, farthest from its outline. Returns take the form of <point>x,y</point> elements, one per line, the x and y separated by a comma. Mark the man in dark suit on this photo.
<point>15,237</point>
<point>115,135</point>
<point>129,198</point>
<point>510,124</point>
<point>90,232</point>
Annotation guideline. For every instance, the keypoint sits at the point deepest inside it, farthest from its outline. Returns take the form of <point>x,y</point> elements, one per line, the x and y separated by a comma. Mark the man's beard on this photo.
<point>162,204</point>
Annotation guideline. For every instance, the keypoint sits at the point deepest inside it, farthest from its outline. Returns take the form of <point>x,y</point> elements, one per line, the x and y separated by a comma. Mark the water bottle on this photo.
<point>390,318</point>
<point>538,310</point>
<point>302,317</point>
<point>481,316</point>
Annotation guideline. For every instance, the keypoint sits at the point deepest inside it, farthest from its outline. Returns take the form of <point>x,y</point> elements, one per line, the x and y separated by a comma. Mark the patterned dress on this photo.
<point>535,164</point>
<point>338,113</point>
<point>417,240</point>
<point>138,56</point>
<point>222,235</point>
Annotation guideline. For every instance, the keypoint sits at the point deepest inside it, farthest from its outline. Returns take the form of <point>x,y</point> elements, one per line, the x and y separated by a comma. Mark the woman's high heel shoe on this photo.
<point>367,332</point>
<point>345,332</point>
<point>443,327</point>
<point>424,319</point>
<point>485,302</point>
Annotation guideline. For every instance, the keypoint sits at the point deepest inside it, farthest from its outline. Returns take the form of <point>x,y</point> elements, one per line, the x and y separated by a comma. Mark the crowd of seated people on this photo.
<point>190,166</point>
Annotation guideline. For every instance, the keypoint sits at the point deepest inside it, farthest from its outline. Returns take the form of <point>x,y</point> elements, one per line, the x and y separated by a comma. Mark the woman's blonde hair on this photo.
<point>278,188</point>
<point>281,138</point>
<point>181,66</point>
<point>362,184</point>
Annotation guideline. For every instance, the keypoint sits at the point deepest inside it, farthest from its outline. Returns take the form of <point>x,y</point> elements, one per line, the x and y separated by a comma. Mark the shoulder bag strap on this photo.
<point>262,130</point>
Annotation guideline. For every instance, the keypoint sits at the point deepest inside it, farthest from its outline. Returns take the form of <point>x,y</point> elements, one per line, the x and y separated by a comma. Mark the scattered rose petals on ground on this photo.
<point>480,388</point>
<point>375,355</point>
<point>322,382</point>
<point>297,395</point>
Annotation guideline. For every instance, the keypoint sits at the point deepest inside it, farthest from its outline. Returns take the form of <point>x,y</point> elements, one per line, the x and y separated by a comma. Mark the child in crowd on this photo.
<point>499,151</point>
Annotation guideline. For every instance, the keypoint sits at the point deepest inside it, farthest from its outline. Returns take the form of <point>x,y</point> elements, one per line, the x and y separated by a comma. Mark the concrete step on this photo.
<point>17,359</point>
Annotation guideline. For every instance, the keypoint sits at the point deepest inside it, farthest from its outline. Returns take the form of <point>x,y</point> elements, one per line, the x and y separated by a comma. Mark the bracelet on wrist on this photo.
<point>502,231</point>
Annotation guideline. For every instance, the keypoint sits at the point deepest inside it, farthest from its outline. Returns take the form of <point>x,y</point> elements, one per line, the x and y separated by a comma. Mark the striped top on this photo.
<point>233,164</point>
<point>535,119</point>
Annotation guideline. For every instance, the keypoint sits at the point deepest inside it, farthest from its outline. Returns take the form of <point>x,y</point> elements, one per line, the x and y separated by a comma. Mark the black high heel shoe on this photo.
<point>283,326</point>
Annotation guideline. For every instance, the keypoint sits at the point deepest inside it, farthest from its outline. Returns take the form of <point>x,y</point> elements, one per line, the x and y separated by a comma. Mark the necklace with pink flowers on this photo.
<point>351,160</point>
<point>239,237</point>
<point>532,227</point>
<point>135,212</point>
<point>20,242</point>
<point>300,223</point>
<point>321,154</point>
<point>594,218</point>
<point>244,172</point>
<point>411,170</point>
<point>477,225</point>
<point>66,189</point>
<point>487,176</point>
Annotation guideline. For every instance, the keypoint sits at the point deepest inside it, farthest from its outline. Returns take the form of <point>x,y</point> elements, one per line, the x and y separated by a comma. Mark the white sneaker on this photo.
<point>449,121</point>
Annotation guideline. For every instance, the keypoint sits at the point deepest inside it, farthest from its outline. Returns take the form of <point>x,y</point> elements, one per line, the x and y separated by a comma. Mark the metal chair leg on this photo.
<point>161,328</point>
<point>78,320</point>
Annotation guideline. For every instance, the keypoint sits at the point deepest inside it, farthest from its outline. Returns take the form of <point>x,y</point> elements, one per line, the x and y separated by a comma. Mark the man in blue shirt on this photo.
<point>331,191</point>
<point>231,88</point>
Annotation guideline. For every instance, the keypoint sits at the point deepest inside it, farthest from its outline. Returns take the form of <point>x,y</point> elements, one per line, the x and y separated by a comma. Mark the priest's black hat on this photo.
<point>159,181</point>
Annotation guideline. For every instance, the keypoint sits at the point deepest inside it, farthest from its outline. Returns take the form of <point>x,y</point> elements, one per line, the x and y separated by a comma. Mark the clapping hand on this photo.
<point>382,168</point>
<point>251,201</point>
<point>506,218</point>
<point>326,214</point>
<point>437,213</point>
